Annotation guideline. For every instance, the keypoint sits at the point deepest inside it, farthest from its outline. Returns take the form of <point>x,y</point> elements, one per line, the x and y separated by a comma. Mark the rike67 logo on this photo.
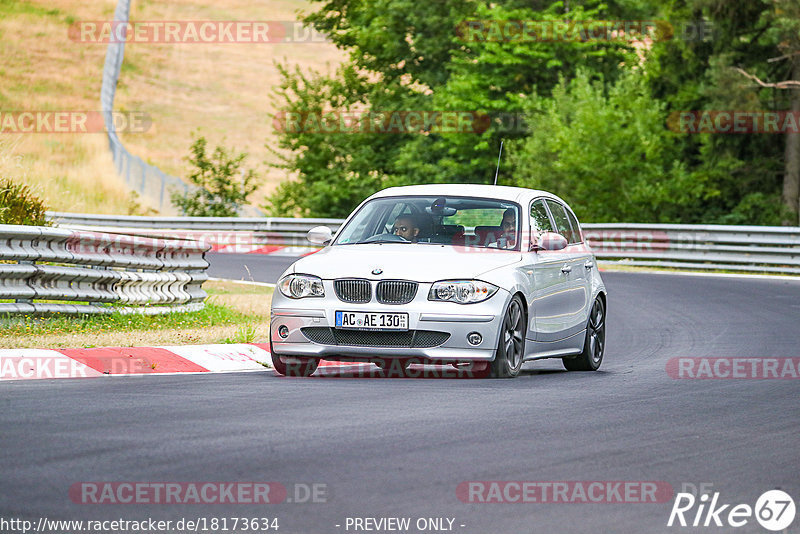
<point>774,510</point>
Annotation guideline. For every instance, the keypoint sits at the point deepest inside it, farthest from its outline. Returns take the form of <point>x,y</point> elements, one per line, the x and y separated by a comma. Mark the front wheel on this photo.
<point>295,366</point>
<point>511,345</point>
<point>595,343</point>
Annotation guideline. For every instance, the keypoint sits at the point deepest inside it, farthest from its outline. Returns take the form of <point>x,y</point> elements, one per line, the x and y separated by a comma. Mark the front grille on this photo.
<point>353,290</point>
<point>321,335</point>
<point>418,339</point>
<point>396,292</point>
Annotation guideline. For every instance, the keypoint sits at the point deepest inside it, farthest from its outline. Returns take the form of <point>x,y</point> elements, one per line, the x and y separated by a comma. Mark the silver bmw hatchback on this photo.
<point>484,277</point>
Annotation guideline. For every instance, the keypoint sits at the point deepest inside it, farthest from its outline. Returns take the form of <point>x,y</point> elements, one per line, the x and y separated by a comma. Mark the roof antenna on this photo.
<point>498,162</point>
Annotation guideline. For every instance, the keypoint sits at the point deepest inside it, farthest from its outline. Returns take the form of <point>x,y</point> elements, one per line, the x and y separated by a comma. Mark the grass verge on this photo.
<point>234,313</point>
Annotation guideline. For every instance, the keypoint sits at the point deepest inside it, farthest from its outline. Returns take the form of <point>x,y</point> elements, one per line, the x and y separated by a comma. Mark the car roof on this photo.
<point>501,192</point>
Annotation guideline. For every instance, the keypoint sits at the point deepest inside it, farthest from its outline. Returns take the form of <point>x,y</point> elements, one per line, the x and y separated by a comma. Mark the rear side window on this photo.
<point>562,221</point>
<point>539,218</point>
<point>576,229</point>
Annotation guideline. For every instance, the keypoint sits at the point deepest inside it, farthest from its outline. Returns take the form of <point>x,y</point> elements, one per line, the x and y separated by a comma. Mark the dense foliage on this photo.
<point>588,119</point>
<point>18,205</point>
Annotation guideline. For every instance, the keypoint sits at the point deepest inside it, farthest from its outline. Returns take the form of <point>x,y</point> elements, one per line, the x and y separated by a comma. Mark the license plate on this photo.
<point>371,321</point>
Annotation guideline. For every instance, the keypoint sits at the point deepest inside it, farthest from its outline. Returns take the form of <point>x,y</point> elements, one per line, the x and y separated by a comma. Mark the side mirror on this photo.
<point>550,241</point>
<point>320,235</point>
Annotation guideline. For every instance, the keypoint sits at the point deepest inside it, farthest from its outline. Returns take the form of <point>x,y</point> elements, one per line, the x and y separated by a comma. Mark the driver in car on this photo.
<point>406,227</point>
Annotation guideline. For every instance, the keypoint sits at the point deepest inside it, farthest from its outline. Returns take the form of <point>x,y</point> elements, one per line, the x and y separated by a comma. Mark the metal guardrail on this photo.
<point>86,272</point>
<point>738,248</point>
<point>239,234</point>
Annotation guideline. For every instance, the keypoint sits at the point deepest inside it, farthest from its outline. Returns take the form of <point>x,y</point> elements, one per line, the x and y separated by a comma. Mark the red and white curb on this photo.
<point>31,364</point>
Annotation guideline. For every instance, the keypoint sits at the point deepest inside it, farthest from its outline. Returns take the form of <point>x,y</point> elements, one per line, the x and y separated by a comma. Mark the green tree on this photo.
<point>605,150</point>
<point>499,74</point>
<point>743,173</point>
<point>222,188</point>
<point>408,56</point>
<point>334,171</point>
<point>399,51</point>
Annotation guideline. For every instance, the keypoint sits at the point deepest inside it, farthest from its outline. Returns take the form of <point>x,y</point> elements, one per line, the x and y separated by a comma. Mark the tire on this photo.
<point>595,343</point>
<point>511,344</point>
<point>306,367</point>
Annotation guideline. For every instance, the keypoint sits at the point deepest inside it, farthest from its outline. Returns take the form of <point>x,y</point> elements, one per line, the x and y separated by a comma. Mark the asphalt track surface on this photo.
<point>400,447</point>
<point>249,267</point>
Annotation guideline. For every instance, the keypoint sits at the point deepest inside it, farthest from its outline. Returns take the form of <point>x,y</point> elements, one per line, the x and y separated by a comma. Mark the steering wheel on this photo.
<point>386,238</point>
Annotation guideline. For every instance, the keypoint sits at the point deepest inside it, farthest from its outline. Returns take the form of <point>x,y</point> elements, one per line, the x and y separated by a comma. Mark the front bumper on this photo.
<point>457,320</point>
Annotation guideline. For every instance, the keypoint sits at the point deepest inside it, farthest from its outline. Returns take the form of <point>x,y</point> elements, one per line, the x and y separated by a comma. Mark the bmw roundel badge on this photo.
<point>377,270</point>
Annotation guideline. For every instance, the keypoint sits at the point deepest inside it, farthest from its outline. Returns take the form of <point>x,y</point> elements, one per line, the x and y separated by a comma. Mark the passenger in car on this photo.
<point>508,237</point>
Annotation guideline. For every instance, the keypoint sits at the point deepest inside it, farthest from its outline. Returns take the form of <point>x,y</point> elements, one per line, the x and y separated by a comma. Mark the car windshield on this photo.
<point>425,220</point>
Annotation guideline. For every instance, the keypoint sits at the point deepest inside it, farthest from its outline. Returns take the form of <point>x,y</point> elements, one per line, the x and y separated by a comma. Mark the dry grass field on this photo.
<point>222,91</point>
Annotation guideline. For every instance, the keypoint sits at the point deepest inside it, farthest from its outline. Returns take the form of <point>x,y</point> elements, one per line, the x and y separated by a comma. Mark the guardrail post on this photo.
<point>25,301</point>
<point>98,268</point>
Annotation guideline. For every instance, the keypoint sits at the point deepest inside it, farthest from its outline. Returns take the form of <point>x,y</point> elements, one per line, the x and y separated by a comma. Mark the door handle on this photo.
<point>566,269</point>
<point>589,264</point>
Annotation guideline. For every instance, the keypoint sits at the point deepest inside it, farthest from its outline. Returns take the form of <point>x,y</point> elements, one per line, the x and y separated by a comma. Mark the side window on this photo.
<point>576,228</point>
<point>540,221</point>
<point>561,220</point>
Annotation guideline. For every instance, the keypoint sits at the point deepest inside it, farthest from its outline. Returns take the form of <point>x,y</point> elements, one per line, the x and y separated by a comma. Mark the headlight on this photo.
<point>461,291</point>
<point>297,286</point>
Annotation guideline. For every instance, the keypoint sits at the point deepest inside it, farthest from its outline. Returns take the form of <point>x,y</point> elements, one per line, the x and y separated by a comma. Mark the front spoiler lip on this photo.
<point>352,353</point>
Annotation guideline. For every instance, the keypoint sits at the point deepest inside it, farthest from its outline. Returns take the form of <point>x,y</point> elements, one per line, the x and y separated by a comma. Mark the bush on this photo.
<point>18,205</point>
<point>220,190</point>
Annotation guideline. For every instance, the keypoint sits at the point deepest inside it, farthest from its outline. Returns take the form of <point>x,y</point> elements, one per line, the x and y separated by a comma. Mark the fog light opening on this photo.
<point>283,331</point>
<point>474,338</point>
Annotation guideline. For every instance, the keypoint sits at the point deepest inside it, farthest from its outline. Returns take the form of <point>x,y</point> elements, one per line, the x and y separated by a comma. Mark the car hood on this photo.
<point>422,263</point>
